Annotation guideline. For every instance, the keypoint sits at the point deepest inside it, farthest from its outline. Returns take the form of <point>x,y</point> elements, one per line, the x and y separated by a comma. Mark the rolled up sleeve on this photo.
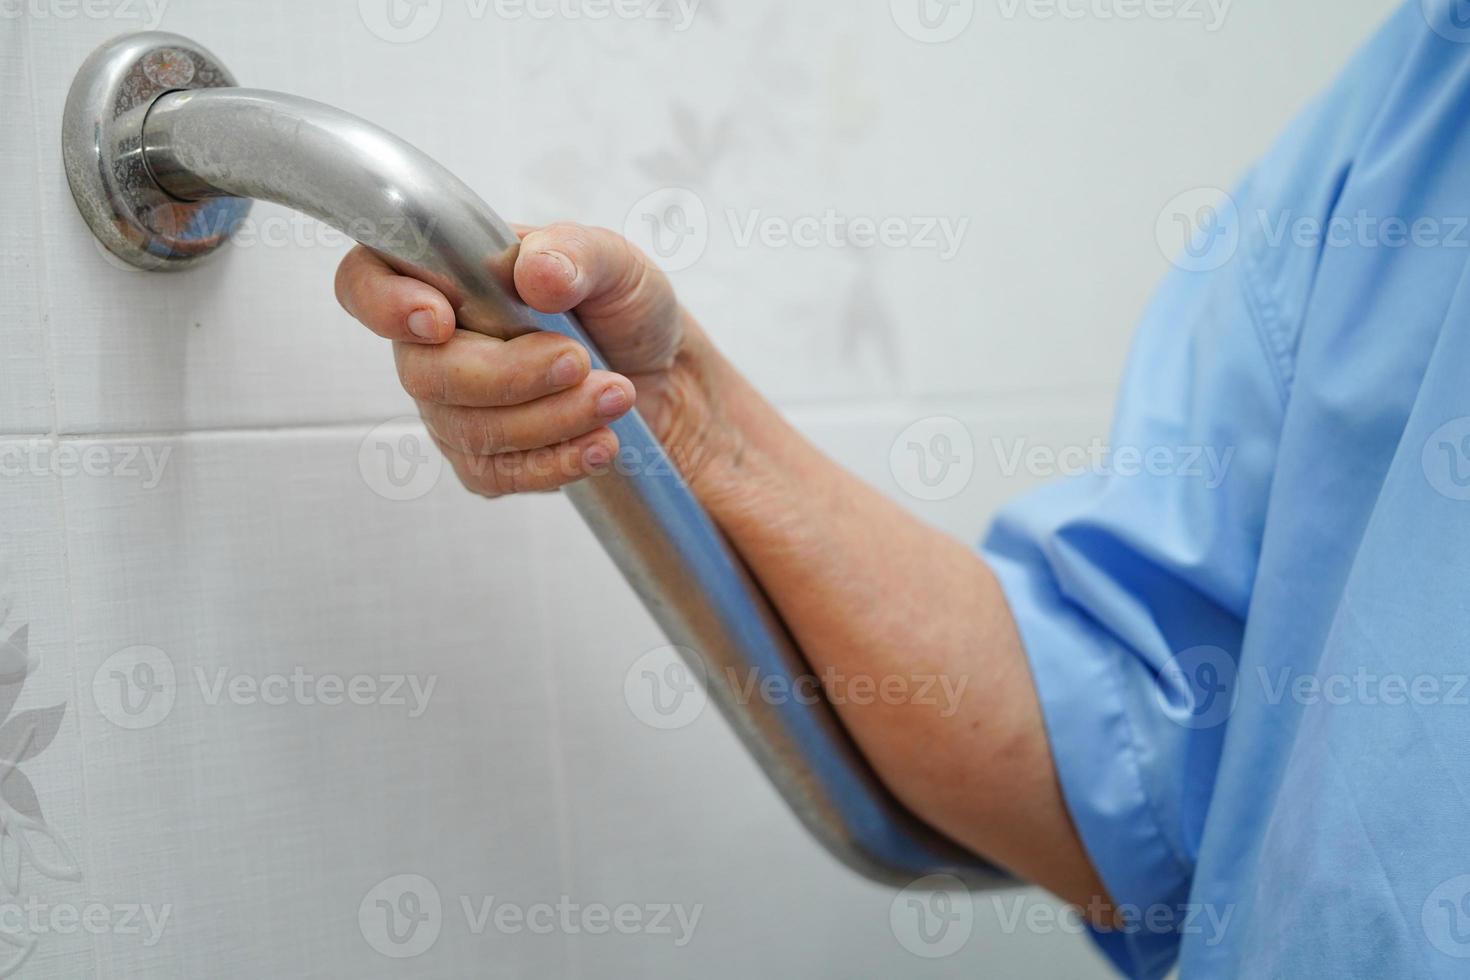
<point>1124,579</point>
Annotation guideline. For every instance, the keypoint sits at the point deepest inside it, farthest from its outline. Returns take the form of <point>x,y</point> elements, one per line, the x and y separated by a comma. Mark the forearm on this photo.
<point>908,630</point>
<point>906,627</point>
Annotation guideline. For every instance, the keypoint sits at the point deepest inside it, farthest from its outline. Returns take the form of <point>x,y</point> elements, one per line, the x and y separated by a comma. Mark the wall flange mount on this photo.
<point>102,149</point>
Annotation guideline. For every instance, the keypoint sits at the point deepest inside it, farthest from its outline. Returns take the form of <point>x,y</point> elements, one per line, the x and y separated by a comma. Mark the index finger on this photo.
<point>391,305</point>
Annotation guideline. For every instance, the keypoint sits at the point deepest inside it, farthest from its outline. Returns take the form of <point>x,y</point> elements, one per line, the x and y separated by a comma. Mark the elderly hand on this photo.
<point>529,414</point>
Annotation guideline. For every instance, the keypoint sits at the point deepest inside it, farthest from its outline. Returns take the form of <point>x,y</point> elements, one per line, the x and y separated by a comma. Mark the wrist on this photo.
<point>734,450</point>
<point>690,413</point>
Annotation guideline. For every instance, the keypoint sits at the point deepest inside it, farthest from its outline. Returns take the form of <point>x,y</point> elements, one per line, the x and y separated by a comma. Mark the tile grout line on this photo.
<point>44,231</point>
<point>551,675</point>
<point>113,435</point>
<point>1051,401</point>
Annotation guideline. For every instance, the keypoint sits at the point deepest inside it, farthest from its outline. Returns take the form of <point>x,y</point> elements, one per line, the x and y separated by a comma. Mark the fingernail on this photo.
<point>568,270</point>
<point>565,370</point>
<point>612,401</point>
<point>596,456</point>
<point>421,324</point>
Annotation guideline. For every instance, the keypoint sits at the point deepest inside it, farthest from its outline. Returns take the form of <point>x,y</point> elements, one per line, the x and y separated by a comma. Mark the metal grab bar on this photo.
<point>163,154</point>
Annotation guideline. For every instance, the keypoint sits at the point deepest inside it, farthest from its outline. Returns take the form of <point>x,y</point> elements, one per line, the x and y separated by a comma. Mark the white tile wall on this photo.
<point>275,809</point>
<point>193,479</point>
<point>25,402</point>
<point>43,806</point>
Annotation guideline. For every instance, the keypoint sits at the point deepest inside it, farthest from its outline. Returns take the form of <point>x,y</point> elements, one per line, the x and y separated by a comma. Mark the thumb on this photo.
<point>624,301</point>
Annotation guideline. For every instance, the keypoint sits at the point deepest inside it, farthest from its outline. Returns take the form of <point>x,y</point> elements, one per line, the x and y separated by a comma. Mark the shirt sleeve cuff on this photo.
<point>1098,762</point>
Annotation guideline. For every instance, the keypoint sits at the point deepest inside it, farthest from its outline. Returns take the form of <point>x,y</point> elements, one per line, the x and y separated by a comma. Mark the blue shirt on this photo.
<point>1254,672</point>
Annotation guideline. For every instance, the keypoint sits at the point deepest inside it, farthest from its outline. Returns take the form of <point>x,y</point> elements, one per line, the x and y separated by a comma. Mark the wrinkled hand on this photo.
<point>529,414</point>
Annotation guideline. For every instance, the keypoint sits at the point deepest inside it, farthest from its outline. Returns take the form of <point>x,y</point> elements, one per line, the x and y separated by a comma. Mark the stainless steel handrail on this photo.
<point>161,149</point>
